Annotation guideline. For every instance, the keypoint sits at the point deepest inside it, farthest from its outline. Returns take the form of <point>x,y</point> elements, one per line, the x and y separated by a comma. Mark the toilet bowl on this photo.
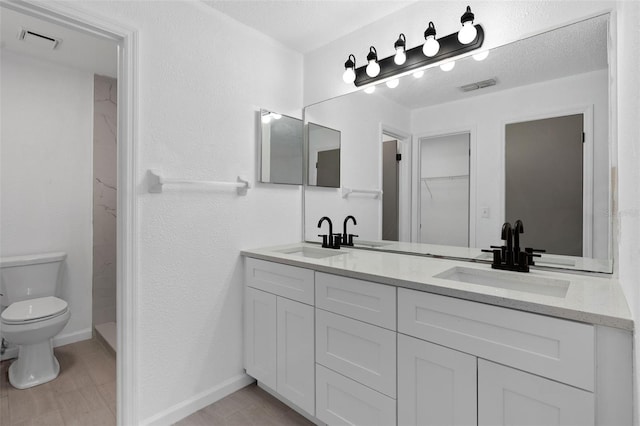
<point>33,315</point>
<point>31,324</point>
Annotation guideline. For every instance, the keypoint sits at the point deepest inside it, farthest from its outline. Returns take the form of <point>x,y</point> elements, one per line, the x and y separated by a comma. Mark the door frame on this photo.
<point>404,180</point>
<point>417,155</point>
<point>587,165</point>
<point>127,223</point>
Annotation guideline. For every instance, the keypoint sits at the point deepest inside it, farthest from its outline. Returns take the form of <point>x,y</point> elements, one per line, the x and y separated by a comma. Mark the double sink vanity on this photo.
<point>366,337</point>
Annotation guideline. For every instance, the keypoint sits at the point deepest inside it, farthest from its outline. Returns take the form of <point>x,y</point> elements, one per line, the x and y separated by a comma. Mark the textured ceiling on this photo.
<point>77,50</point>
<point>566,51</point>
<point>305,25</point>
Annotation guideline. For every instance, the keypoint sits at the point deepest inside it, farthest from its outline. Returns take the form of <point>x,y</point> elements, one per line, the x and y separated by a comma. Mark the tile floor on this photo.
<point>250,406</point>
<point>83,394</point>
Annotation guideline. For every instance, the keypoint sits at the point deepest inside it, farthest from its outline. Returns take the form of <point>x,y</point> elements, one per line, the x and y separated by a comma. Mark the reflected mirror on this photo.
<point>324,156</point>
<point>281,147</point>
<point>522,133</point>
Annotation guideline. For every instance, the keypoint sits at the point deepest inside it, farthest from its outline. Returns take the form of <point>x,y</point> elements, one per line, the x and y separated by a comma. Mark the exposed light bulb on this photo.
<point>266,119</point>
<point>431,45</point>
<point>468,33</point>
<point>418,74</point>
<point>369,90</point>
<point>400,46</point>
<point>481,56</point>
<point>349,76</point>
<point>448,66</point>
<point>276,116</point>
<point>373,69</point>
<point>392,84</point>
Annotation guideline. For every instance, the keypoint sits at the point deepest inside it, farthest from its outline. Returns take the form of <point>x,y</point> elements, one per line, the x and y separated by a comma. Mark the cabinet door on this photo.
<point>342,401</point>
<point>260,336</point>
<point>512,397</point>
<point>296,354</point>
<point>436,385</point>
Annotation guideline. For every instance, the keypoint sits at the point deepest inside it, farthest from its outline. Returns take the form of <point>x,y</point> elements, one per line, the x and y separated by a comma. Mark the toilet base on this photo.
<point>36,365</point>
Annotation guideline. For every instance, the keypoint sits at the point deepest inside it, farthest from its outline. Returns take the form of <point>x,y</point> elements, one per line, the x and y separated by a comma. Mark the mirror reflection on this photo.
<point>281,147</point>
<point>522,133</point>
<point>324,156</point>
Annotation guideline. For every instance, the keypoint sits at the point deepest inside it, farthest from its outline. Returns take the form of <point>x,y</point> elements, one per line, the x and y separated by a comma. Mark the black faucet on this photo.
<point>509,256</point>
<point>329,240</point>
<point>347,239</point>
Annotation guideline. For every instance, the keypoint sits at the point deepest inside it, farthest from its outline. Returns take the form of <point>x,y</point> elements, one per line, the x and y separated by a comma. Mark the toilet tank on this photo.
<point>30,276</point>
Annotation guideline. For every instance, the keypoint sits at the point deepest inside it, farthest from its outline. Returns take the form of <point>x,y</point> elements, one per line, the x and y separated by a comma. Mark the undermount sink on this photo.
<point>311,252</point>
<point>510,281</point>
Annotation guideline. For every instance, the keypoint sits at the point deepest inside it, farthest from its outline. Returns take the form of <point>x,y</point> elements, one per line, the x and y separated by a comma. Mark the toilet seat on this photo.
<point>34,310</point>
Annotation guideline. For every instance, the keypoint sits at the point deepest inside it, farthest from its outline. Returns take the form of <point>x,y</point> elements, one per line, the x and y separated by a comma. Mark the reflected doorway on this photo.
<point>444,189</point>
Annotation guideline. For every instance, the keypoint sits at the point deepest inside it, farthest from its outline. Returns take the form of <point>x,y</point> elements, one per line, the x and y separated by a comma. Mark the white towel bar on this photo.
<point>157,181</point>
<point>375,192</point>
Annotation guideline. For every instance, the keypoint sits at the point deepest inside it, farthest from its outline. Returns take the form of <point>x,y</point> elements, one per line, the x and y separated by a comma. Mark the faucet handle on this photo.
<point>324,240</point>
<point>350,240</point>
<point>497,258</point>
<point>532,250</point>
<point>529,255</point>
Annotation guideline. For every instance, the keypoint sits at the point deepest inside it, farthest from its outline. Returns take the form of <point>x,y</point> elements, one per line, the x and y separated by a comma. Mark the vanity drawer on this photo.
<point>558,349</point>
<point>363,352</point>
<point>286,281</point>
<point>342,401</point>
<point>362,300</point>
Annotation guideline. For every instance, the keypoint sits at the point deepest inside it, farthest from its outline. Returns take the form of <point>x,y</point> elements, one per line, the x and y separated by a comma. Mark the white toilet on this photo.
<point>32,315</point>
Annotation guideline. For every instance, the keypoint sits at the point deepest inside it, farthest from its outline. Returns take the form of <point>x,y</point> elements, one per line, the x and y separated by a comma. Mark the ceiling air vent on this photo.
<point>38,39</point>
<point>478,85</point>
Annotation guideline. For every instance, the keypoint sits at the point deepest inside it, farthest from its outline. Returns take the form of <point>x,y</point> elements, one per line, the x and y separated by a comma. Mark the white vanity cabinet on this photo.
<point>356,352</point>
<point>279,332</point>
<point>442,373</point>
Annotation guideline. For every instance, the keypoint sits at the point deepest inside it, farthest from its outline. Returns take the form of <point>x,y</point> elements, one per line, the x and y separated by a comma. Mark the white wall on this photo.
<point>46,166</point>
<point>202,77</point>
<point>505,22</point>
<point>487,116</point>
<point>358,118</point>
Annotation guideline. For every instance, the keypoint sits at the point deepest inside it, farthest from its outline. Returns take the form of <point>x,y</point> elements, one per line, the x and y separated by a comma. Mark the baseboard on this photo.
<point>61,340</point>
<point>198,401</point>
<point>76,336</point>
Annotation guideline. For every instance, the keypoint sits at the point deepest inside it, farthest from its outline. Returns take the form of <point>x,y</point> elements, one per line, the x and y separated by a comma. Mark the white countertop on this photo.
<point>593,300</point>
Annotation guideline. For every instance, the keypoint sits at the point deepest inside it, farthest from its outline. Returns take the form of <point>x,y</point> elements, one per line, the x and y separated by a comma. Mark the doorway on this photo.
<point>126,40</point>
<point>444,163</point>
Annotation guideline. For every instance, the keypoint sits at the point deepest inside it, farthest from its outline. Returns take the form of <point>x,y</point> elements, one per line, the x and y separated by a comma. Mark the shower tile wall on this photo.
<point>104,200</point>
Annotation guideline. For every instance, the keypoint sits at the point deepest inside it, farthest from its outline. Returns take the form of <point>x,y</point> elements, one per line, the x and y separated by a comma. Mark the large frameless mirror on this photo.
<point>522,133</point>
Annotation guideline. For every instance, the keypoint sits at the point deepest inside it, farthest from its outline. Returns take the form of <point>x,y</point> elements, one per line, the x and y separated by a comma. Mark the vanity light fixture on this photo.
<point>431,46</point>
<point>434,51</point>
<point>468,32</point>
<point>349,75</point>
<point>400,46</point>
<point>373,69</point>
<point>369,90</point>
<point>392,84</point>
<point>447,66</point>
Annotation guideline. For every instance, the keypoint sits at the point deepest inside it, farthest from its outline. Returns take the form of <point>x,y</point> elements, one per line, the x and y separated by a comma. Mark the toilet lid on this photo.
<point>33,309</point>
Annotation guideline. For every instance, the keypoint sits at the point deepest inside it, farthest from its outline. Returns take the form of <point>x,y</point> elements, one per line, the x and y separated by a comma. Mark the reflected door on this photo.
<point>444,190</point>
<point>390,200</point>
<point>543,182</point>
